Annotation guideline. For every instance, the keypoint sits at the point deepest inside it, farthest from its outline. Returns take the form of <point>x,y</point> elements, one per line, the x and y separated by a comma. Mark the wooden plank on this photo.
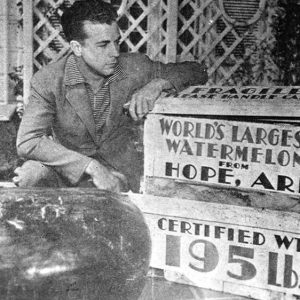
<point>158,288</point>
<point>172,23</point>
<point>255,101</point>
<point>193,209</point>
<point>28,47</point>
<point>239,250</point>
<point>5,52</point>
<point>237,154</point>
<point>154,40</point>
<point>231,196</point>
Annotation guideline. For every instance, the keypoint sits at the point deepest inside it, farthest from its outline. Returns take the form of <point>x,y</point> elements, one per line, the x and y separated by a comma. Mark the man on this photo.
<point>74,131</point>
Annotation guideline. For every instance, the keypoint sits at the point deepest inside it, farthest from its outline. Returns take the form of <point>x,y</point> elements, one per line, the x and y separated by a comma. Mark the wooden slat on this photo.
<point>172,30</point>
<point>275,101</point>
<point>153,20</point>
<point>28,47</point>
<point>189,208</point>
<point>5,50</point>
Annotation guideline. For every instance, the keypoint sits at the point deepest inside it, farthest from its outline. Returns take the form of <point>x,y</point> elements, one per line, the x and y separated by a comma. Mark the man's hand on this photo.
<point>105,179</point>
<point>144,99</point>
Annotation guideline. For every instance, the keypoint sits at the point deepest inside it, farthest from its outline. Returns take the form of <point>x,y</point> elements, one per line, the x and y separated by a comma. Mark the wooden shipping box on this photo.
<point>252,252</point>
<point>235,154</point>
<point>233,138</point>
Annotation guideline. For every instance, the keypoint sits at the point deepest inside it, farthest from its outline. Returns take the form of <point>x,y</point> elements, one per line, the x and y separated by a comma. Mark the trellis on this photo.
<point>217,32</point>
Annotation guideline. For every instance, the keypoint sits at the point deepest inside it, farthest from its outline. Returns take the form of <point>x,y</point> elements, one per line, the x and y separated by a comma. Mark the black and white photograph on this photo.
<point>150,150</point>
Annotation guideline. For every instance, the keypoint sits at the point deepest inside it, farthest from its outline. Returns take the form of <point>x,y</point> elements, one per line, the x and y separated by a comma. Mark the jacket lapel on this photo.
<point>78,98</point>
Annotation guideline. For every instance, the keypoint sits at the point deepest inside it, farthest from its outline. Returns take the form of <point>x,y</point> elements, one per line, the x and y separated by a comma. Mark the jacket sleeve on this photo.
<point>181,75</point>
<point>34,141</point>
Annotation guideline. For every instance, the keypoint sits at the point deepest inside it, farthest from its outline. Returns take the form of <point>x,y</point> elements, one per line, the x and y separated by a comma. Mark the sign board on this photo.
<point>220,152</point>
<point>251,101</point>
<point>238,250</point>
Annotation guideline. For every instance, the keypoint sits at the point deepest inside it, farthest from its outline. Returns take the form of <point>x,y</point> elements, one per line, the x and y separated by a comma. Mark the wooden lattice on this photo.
<point>148,27</point>
<point>218,32</point>
<point>49,42</point>
<point>207,33</point>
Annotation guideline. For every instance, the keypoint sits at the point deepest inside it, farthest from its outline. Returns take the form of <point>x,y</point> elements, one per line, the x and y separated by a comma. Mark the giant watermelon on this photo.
<point>62,244</point>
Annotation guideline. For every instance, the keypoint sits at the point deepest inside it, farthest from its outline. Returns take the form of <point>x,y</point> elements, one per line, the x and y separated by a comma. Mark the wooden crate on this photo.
<point>234,153</point>
<point>227,137</point>
<point>239,250</point>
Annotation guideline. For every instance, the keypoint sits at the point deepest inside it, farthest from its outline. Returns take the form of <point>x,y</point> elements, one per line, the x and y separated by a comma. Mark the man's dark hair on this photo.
<point>94,11</point>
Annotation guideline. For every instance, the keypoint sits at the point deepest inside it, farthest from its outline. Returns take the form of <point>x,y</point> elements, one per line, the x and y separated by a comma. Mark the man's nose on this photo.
<point>115,51</point>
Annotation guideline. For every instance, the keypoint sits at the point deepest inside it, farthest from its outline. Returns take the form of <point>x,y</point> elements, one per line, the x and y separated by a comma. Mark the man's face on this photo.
<point>100,50</point>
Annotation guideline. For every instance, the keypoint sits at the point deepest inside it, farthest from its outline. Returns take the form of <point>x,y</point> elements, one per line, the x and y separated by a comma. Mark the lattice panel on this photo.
<point>144,28</point>
<point>141,29</point>
<point>49,42</point>
<point>215,31</point>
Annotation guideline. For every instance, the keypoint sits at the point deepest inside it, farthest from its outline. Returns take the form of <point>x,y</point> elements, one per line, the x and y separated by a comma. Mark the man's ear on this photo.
<point>76,47</point>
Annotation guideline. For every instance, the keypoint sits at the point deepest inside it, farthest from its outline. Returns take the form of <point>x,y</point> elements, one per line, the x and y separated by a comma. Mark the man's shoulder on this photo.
<point>133,56</point>
<point>133,62</point>
<point>51,72</point>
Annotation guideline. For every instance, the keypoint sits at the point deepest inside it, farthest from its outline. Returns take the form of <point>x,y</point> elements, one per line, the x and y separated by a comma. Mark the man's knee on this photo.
<point>35,174</point>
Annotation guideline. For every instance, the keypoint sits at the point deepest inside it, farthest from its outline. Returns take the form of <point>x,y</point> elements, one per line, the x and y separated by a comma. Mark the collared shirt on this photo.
<point>100,101</point>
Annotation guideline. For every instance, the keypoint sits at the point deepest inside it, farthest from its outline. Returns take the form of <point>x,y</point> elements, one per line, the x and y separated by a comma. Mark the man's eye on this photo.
<point>102,45</point>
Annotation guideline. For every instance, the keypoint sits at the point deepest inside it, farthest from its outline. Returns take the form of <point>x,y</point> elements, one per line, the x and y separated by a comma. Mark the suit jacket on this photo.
<point>58,128</point>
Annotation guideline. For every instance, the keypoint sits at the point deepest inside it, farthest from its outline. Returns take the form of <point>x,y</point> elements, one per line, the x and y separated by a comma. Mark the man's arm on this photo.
<point>144,99</point>
<point>181,75</point>
<point>163,77</point>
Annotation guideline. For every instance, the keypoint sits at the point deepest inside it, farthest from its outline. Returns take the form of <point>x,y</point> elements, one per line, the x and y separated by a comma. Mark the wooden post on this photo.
<point>172,30</point>
<point>28,47</point>
<point>6,109</point>
<point>153,20</point>
<point>4,52</point>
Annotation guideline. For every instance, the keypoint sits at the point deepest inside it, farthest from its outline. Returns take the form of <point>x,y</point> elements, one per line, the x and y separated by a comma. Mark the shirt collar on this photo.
<point>73,76</point>
<point>116,76</point>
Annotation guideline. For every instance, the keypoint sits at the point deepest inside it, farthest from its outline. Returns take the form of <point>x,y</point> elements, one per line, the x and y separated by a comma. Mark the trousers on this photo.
<point>35,174</point>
